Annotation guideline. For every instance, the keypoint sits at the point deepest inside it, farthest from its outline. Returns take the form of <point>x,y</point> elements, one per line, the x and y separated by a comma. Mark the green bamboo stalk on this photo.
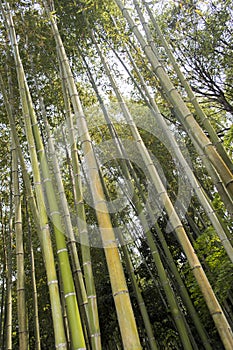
<point>171,265</point>
<point>65,210</point>
<point>4,281</point>
<point>83,232</point>
<point>34,288</point>
<point>21,302</point>
<point>120,292</point>
<point>70,295</point>
<point>26,179</point>
<point>44,234</point>
<point>170,138</point>
<point>71,243</point>
<point>79,284</point>
<point>3,277</point>
<point>8,268</point>
<point>193,99</point>
<point>180,107</point>
<point>30,196</point>
<point>138,294</point>
<point>174,307</point>
<point>214,306</point>
<point>75,325</point>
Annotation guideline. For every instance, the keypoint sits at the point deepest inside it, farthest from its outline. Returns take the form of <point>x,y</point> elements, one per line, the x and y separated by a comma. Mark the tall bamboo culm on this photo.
<point>93,318</point>
<point>21,302</point>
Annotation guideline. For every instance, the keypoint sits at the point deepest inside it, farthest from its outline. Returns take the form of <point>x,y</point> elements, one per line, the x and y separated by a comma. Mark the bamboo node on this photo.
<point>46,227</point>
<point>54,212</point>
<point>87,263</point>
<point>52,282</point>
<point>95,335</point>
<point>91,297</point>
<point>216,312</point>
<point>192,99</point>
<point>46,179</point>
<point>18,222</point>
<point>62,250</point>
<point>196,267</point>
<point>69,295</point>
<point>207,145</point>
<point>109,242</point>
<point>228,182</point>
<point>23,332</point>
<point>71,241</point>
<point>83,141</point>
<point>61,345</point>
<point>124,291</point>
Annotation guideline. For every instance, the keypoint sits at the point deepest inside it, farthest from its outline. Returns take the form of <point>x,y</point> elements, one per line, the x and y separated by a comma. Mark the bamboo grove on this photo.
<point>116,189</point>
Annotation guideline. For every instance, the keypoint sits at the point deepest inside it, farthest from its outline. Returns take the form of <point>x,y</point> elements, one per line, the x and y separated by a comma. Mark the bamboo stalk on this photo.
<point>75,325</point>
<point>130,270</point>
<point>34,288</point>
<point>80,287</point>
<point>8,269</point>
<point>93,317</point>
<point>21,302</point>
